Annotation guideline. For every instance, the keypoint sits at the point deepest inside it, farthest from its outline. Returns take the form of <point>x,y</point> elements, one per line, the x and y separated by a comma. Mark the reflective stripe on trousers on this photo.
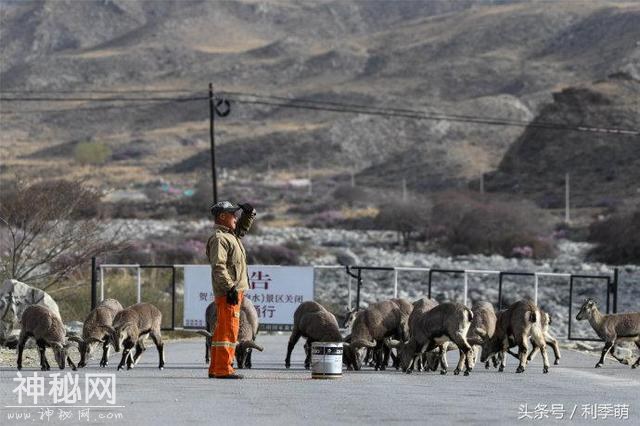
<point>225,336</point>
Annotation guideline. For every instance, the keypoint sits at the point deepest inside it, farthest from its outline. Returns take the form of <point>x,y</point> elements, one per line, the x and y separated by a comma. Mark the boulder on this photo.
<point>15,297</point>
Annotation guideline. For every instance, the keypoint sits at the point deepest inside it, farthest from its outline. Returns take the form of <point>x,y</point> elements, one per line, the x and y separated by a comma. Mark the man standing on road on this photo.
<point>230,279</point>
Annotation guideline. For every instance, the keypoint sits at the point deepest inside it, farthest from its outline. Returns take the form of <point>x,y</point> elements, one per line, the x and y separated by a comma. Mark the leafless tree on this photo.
<point>50,229</point>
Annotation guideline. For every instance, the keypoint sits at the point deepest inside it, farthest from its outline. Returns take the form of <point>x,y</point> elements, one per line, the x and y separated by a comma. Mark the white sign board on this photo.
<point>276,292</point>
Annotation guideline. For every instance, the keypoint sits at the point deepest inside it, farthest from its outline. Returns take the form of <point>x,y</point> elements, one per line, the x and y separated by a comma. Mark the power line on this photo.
<point>282,102</point>
<point>424,116</point>
<point>90,99</point>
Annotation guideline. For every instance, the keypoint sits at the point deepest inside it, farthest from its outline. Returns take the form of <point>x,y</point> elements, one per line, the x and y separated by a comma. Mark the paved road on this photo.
<point>273,395</point>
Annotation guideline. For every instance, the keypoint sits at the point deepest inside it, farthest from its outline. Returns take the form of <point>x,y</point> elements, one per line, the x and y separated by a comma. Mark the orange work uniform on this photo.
<point>228,261</point>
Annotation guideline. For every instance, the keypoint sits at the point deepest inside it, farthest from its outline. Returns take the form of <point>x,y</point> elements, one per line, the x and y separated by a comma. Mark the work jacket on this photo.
<point>228,258</point>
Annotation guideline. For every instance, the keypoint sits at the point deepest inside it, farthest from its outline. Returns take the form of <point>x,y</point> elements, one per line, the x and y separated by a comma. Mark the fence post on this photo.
<point>139,282</point>
<point>173,297</point>
<point>94,284</point>
<point>535,288</point>
<point>615,290</point>
<point>101,284</point>
<point>500,291</point>
<point>466,288</point>
<point>395,282</point>
<point>429,292</point>
<point>359,286</point>
<point>570,303</point>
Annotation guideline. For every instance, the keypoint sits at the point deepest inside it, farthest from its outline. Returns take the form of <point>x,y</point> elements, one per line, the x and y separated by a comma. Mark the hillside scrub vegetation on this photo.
<point>466,223</point>
<point>48,230</point>
<point>617,239</point>
<point>93,153</point>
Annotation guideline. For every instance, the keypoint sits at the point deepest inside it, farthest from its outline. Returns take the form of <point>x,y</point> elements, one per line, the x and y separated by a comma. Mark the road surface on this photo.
<point>271,394</point>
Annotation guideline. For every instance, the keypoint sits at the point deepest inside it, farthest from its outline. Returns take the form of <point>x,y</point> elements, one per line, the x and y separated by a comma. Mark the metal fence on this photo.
<point>609,282</point>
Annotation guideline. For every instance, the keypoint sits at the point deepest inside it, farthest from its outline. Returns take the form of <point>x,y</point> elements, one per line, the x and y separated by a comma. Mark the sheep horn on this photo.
<point>252,344</point>
<point>481,332</point>
<point>75,338</point>
<point>363,343</point>
<point>392,343</point>
<point>204,333</point>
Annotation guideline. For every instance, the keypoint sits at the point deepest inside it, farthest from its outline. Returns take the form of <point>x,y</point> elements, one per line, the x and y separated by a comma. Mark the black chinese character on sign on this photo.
<point>259,279</point>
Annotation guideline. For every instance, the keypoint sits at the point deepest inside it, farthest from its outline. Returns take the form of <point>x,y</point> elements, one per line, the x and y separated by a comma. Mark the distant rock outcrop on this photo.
<point>604,167</point>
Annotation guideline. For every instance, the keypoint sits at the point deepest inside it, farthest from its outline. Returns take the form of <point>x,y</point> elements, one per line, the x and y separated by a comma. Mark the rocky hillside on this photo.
<point>480,58</point>
<point>603,168</point>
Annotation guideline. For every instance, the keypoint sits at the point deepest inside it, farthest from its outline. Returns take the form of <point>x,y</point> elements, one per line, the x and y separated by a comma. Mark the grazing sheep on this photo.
<point>246,334</point>
<point>379,321</point>
<point>611,328</point>
<point>130,327</point>
<point>443,323</point>
<point>420,307</point>
<point>483,326</point>
<point>46,327</point>
<point>548,337</point>
<point>515,326</point>
<point>312,321</point>
<point>96,330</point>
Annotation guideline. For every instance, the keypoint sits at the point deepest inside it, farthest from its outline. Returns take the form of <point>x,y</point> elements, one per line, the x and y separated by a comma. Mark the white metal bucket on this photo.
<point>326,360</point>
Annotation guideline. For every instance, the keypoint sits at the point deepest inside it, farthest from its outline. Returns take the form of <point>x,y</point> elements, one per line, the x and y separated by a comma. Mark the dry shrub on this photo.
<point>474,223</point>
<point>617,239</point>
<point>272,255</point>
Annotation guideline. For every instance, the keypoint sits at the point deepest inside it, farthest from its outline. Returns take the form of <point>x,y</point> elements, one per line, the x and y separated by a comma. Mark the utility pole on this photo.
<point>212,138</point>
<point>567,217</point>
<point>353,179</point>
<point>404,189</point>
<point>310,188</point>
<point>214,109</point>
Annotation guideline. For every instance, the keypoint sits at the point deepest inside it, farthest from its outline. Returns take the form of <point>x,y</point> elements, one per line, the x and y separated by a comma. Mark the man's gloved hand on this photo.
<point>247,208</point>
<point>232,296</point>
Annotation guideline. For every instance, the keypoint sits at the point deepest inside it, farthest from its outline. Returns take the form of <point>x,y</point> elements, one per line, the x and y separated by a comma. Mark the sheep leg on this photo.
<point>295,336</point>
<point>534,347</point>
<point>607,347</point>
<point>522,353</point>
<point>247,362</point>
<point>207,349</point>
<point>84,354</point>
<point>307,358</point>
<point>556,349</point>
<point>539,340</point>
<point>44,364</point>
<point>617,358</point>
<point>386,352</point>
<point>503,361</point>
<point>105,353</point>
<point>157,339</point>
<point>132,361</point>
<point>395,360</point>
<point>466,351</point>
<point>21,341</point>
<point>71,364</point>
<point>125,357</point>
<point>368,359</point>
